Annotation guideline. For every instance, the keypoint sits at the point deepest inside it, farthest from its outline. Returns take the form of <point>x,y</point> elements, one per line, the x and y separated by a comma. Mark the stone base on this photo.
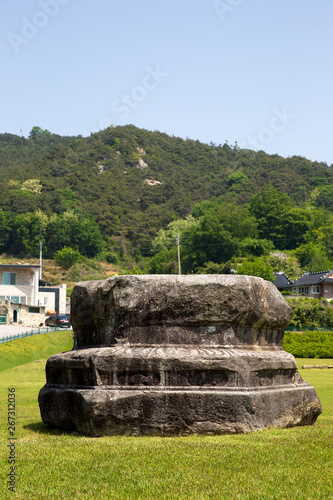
<point>175,390</point>
<point>98,412</point>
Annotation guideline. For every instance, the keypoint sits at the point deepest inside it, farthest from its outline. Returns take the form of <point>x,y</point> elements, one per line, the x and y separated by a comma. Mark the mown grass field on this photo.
<point>272,464</point>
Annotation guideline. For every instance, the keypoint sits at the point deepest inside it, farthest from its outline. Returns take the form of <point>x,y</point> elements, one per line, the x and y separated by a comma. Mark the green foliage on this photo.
<point>37,131</point>
<point>32,185</point>
<point>309,344</point>
<point>237,178</point>
<point>164,262</point>
<point>278,221</point>
<point>98,178</point>
<point>216,236</point>
<point>111,258</point>
<point>289,265</point>
<point>67,257</point>
<point>324,197</point>
<point>133,270</point>
<point>166,238</point>
<point>256,267</point>
<point>307,312</point>
<point>75,230</point>
<point>236,181</point>
<point>86,270</point>
<point>306,252</point>
<point>29,231</point>
<point>5,230</point>
<point>213,268</point>
<point>255,247</point>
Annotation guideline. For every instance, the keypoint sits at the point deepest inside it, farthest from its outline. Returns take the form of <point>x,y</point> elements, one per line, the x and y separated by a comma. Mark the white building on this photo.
<point>23,300</point>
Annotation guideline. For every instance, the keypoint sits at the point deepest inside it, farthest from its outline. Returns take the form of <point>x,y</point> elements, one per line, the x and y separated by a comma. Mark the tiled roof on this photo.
<point>314,278</point>
<point>282,280</point>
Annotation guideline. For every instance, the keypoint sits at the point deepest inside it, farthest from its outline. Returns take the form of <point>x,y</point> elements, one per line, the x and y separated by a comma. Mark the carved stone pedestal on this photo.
<point>176,355</point>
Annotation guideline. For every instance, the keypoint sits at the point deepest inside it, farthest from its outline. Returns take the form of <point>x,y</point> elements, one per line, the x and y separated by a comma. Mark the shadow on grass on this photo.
<point>41,428</point>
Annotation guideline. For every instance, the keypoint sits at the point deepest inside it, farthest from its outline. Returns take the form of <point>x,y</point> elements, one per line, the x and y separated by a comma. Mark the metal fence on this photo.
<point>36,331</point>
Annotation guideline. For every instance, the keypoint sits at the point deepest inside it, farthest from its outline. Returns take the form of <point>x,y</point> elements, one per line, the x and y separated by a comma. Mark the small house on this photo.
<point>314,285</point>
<point>22,298</point>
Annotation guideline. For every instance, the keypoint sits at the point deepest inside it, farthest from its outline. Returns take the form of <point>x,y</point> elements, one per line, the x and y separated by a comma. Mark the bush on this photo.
<point>111,258</point>
<point>67,257</point>
<point>309,344</point>
<point>310,313</point>
<point>86,270</point>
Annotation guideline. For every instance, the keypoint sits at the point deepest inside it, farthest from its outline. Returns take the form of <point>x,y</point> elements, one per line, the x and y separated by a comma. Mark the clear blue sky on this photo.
<point>258,72</point>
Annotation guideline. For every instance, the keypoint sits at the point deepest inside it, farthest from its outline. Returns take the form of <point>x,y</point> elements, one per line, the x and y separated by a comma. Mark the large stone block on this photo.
<point>175,355</point>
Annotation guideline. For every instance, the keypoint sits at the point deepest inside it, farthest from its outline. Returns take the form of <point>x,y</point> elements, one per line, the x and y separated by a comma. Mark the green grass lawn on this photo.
<point>272,464</point>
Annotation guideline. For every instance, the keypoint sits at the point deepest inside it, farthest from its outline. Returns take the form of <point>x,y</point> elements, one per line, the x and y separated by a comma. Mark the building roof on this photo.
<point>314,278</point>
<point>282,280</point>
<point>20,265</point>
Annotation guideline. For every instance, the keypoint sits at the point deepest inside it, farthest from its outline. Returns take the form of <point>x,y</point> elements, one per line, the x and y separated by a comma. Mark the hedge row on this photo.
<point>309,344</point>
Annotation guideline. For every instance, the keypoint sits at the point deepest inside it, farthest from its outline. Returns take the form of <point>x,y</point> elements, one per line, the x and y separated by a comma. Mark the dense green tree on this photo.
<point>286,226</point>
<point>67,257</point>
<point>37,131</point>
<point>73,229</point>
<point>166,238</point>
<point>6,227</point>
<point>256,267</point>
<point>307,313</point>
<point>255,246</point>
<point>29,231</point>
<point>164,262</point>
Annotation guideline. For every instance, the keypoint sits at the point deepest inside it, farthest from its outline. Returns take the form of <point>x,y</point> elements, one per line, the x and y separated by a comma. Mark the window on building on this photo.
<point>34,310</point>
<point>315,289</point>
<point>15,299</point>
<point>46,301</point>
<point>9,279</point>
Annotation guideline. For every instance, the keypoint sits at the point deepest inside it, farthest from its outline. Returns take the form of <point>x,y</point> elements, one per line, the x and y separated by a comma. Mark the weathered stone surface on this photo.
<point>175,355</point>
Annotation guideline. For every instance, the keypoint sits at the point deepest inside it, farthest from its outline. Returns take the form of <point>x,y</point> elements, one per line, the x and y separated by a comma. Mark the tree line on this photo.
<point>125,193</point>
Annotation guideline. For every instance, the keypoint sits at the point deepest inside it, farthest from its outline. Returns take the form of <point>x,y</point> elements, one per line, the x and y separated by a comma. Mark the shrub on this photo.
<point>309,344</point>
<point>111,258</point>
<point>67,257</point>
<point>86,270</point>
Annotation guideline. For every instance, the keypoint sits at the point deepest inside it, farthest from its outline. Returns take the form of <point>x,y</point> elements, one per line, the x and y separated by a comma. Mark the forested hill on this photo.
<point>123,184</point>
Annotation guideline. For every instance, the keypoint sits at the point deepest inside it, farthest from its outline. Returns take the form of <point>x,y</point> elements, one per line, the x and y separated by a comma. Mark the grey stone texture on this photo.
<point>172,355</point>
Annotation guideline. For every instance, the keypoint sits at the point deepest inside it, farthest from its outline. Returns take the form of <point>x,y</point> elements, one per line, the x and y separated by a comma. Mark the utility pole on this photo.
<point>40,259</point>
<point>178,251</point>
